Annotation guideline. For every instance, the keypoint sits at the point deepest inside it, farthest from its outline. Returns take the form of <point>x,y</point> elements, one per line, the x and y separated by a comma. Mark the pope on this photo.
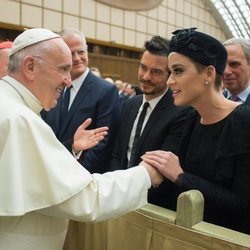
<point>42,185</point>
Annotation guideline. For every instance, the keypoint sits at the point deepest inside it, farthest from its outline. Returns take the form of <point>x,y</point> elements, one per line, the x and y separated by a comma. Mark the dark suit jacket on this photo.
<point>248,100</point>
<point>98,100</point>
<point>162,131</point>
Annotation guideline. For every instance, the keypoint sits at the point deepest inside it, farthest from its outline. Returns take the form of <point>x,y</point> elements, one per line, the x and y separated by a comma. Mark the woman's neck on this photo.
<point>215,109</point>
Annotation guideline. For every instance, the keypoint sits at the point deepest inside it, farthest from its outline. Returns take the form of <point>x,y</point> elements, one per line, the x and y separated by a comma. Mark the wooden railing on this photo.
<point>157,228</point>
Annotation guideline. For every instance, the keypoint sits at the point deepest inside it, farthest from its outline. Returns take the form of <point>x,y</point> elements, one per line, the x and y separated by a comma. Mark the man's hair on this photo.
<point>36,50</point>
<point>244,43</point>
<point>157,46</point>
<point>70,31</point>
<point>132,86</point>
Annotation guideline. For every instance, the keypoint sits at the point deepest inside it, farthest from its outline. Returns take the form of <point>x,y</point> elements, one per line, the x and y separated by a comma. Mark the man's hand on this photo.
<point>85,139</point>
<point>155,176</point>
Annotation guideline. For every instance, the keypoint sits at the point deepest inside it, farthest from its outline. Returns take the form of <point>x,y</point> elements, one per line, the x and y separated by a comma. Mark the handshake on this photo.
<point>160,164</point>
<point>155,176</point>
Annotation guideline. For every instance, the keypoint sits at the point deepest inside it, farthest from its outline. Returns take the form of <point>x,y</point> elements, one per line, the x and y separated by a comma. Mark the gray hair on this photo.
<point>36,50</point>
<point>244,43</point>
<point>69,31</point>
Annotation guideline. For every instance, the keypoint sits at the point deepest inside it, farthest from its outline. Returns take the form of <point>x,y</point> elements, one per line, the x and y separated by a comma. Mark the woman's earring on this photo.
<point>206,82</point>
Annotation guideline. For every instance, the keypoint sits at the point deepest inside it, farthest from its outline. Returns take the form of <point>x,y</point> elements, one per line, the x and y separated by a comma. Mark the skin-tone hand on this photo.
<point>166,162</point>
<point>155,176</point>
<point>85,139</point>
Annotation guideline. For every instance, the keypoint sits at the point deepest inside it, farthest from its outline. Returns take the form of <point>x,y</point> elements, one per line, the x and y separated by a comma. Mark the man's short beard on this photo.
<point>148,92</point>
<point>154,91</point>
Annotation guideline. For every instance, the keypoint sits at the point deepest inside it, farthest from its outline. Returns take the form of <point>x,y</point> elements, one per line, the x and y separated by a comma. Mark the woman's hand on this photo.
<point>166,162</point>
<point>86,139</point>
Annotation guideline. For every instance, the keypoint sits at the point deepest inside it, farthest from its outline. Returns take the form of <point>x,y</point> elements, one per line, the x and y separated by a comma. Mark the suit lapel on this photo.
<point>131,116</point>
<point>80,96</point>
<point>56,112</point>
<point>248,100</point>
<point>166,103</point>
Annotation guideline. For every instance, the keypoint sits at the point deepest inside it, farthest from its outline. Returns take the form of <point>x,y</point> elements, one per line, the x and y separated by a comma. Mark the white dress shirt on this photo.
<point>243,95</point>
<point>76,85</point>
<point>152,105</point>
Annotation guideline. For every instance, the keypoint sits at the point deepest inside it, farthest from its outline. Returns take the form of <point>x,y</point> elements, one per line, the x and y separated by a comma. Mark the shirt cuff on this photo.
<point>148,179</point>
<point>78,155</point>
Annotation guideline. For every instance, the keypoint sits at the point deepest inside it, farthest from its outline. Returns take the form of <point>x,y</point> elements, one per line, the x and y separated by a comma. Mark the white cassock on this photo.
<point>42,185</point>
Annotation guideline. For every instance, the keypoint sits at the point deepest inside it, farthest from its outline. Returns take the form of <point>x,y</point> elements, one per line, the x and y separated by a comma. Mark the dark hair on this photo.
<point>157,46</point>
<point>218,78</point>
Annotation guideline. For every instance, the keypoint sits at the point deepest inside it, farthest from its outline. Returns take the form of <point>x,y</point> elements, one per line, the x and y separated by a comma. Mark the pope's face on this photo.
<point>53,73</point>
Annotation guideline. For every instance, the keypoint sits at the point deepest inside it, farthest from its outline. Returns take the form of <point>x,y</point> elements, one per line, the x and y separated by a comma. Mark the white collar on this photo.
<point>154,102</point>
<point>77,83</point>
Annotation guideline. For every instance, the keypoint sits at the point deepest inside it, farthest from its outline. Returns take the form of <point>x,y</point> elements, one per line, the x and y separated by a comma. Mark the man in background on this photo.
<point>121,86</point>
<point>96,71</point>
<point>236,77</point>
<point>130,90</point>
<point>4,57</point>
<point>89,97</point>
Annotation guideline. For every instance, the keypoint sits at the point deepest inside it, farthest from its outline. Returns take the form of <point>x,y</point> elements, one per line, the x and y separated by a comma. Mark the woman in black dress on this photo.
<point>214,155</point>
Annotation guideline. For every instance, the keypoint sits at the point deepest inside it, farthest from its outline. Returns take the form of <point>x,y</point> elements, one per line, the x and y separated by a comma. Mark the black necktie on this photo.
<point>65,104</point>
<point>138,133</point>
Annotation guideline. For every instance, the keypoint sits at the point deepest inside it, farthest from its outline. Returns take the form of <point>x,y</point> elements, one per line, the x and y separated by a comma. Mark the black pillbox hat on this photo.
<point>200,47</point>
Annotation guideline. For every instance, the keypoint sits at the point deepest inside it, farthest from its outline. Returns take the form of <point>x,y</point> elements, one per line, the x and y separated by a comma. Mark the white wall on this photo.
<point>101,22</point>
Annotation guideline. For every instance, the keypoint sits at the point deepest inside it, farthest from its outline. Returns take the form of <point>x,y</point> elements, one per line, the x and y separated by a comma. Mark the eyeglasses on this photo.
<point>80,52</point>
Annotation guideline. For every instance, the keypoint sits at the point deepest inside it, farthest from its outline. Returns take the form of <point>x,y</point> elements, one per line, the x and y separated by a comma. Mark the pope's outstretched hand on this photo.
<point>85,139</point>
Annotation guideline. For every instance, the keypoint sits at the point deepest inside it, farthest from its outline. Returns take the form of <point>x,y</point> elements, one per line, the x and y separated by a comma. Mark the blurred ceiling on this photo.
<point>132,4</point>
<point>235,14</point>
